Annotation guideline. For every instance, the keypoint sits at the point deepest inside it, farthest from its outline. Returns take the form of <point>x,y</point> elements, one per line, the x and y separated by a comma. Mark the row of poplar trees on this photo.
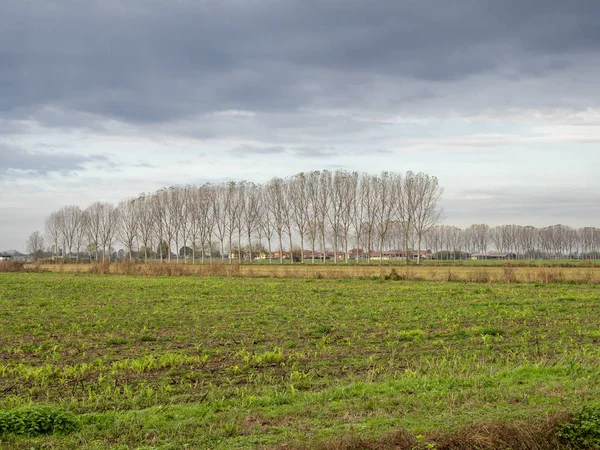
<point>314,213</point>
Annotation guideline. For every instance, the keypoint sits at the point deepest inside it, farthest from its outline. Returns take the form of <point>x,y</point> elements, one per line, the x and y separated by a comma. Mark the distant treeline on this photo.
<point>336,215</point>
<point>514,242</point>
<point>325,213</point>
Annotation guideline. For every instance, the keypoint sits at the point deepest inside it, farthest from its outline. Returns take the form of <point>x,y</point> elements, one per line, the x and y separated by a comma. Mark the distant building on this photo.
<point>389,255</point>
<point>491,255</point>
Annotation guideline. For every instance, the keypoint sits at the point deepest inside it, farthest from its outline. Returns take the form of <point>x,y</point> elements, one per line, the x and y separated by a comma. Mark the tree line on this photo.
<point>314,215</point>
<point>514,241</point>
<point>322,215</point>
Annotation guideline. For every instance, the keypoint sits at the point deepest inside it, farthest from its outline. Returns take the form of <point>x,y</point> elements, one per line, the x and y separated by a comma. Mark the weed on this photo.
<point>410,335</point>
<point>36,420</point>
<point>323,329</point>
<point>583,430</point>
<point>489,331</point>
<point>116,340</point>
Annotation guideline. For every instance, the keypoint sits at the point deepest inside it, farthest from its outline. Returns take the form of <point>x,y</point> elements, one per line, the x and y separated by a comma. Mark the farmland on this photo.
<point>470,271</point>
<point>233,362</point>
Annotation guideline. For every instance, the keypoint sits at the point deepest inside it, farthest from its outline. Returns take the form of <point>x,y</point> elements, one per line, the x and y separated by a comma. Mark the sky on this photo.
<point>103,100</point>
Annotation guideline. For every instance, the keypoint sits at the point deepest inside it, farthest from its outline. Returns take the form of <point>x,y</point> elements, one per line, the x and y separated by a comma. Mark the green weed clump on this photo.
<point>411,335</point>
<point>583,431</point>
<point>36,420</point>
<point>489,331</point>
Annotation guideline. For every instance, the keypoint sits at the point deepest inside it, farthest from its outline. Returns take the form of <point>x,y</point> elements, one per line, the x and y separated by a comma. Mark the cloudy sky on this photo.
<point>100,100</point>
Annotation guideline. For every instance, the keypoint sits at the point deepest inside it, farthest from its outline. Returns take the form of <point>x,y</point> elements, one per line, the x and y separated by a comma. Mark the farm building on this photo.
<point>389,255</point>
<point>491,255</point>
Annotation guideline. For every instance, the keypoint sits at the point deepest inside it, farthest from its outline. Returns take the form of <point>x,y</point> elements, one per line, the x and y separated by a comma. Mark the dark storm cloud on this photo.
<point>14,158</point>
<point>150,61</point>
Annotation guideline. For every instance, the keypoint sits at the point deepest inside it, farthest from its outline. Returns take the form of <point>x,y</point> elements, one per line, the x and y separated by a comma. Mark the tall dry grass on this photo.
<point>507,273</point>
<point>483,436</point>
<point>18,266</point>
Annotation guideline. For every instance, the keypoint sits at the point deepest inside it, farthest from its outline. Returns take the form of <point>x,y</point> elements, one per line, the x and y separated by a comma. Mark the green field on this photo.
<point>211,362</point>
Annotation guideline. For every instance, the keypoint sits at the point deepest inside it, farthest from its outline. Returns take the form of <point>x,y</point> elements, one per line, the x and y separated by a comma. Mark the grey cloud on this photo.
<point>14,158</point>
<point>302,151</point>
<point>572,206</point>
<point>250,150</point>
<point>151,62</point>
<point>308,152</point>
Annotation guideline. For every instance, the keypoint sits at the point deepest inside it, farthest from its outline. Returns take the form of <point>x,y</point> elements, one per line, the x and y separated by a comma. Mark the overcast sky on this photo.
<point>100,100</point>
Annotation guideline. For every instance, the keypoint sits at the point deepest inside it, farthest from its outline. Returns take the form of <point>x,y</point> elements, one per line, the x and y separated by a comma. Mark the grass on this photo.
<point>470,271</point>
<point>217,362</point>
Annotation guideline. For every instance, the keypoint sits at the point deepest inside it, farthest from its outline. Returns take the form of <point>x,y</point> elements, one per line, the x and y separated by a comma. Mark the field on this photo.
<point>233,362</point>
<point>470,271</point>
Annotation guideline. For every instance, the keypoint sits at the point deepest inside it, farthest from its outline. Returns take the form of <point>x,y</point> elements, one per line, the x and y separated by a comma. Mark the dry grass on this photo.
<point>11,266</point>
<point>17,266</point>
<point>483,436</point>
<point>507,273</point>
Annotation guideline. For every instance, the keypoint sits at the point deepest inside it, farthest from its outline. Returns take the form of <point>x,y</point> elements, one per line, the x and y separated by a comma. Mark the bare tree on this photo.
<point>207,194</point>
<point>109,222</point>
<point>266,219</point>
<point>323,205</point>
<point>35,244</point>
<point>93,219</point>
<point>425,211</point>
<point>298,195</point>
<point>369,194</point>
<point>357,211</point>
<point>313,210</point>
<point>219,214</point>
<point>384,209</point>
<point>231,210</point>
<point>146,224</point>
<point>479,235</point>
<point>127,231</point>
<point>70,221</point>
<point>346,188</point>
<point>52,229</point>
<point>277,205</point>
<point>251,208</point>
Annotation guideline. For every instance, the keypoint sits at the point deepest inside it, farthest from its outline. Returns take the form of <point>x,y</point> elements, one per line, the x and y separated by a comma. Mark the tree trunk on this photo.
<point>249,248</point>
<point>280,249</point>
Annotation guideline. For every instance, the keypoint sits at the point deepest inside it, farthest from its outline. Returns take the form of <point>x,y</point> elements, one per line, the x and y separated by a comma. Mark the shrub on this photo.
<point>509,275</point>
<point>36,420</point>
<point>100,268</point>
<point>583,431</point>
<point>11,266</point>
<point>479,276</point>
<point>394,276</point>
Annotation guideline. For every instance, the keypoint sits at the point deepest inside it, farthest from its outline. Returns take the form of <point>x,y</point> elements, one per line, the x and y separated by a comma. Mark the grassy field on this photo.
<point>225,363</point>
